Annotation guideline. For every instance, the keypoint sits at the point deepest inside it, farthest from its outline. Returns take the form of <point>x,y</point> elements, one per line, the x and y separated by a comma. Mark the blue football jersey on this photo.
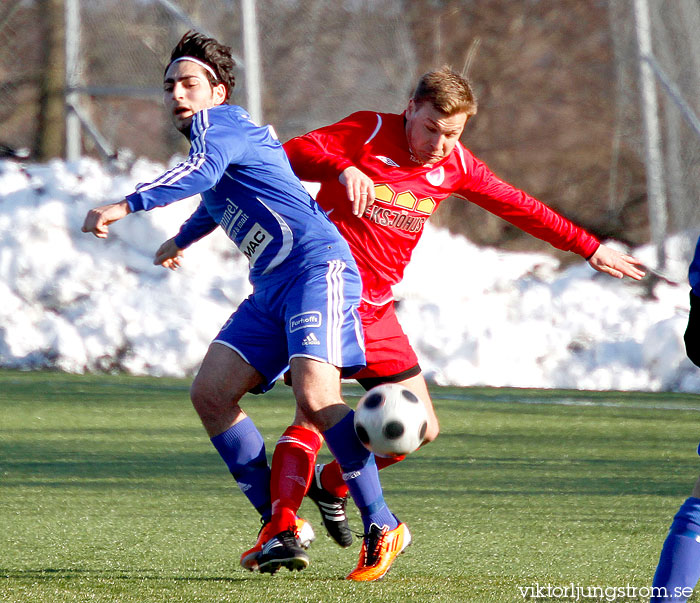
<point>248,188</point>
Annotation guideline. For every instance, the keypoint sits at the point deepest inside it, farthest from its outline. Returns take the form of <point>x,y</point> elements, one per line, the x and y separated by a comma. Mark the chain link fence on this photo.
<point>675,62</point>
<point>323,59</point>
<point>312,62</point>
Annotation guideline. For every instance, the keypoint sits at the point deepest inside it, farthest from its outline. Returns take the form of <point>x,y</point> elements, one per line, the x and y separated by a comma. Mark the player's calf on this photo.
<point>332,510</point>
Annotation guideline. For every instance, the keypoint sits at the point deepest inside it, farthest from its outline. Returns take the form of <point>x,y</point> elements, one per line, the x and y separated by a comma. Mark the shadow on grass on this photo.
<point>50,573</point>
<point>36,466</point>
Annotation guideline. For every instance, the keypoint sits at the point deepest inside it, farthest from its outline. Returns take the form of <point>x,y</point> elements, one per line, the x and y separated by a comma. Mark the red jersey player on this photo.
<point>382,176</point>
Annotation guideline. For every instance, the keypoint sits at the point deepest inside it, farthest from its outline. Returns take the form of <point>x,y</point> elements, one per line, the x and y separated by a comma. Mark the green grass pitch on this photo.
<point>110,491</point>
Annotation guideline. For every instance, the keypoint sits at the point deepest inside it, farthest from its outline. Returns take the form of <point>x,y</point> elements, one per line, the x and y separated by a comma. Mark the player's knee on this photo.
<point>301,420</point>
<point>313,408</point>
<point>207,400</point>
<point>319,412</point>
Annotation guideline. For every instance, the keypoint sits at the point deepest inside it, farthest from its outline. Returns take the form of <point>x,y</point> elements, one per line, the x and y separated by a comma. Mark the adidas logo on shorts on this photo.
<point>310,339</point>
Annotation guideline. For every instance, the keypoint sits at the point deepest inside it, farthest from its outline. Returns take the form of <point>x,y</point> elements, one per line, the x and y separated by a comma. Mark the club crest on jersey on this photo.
<point>305,320</point>
<point>388,161</point>
<point>255,243</point>
<point>436,177</point>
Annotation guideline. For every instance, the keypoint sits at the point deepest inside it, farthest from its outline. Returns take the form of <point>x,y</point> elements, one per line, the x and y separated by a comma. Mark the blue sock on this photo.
<point>243,450</point>
<point>360,473</point>
<point>679,564</point>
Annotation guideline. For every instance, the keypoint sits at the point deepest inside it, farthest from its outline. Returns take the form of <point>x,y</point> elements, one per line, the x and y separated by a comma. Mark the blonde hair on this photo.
<point>447,91</point>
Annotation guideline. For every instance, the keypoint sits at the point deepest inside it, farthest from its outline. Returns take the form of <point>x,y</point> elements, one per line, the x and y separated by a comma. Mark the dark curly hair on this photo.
<point>211,52</point>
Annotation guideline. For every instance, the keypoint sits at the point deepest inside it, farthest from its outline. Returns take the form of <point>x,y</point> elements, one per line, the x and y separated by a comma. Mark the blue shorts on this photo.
<point>312,315</point>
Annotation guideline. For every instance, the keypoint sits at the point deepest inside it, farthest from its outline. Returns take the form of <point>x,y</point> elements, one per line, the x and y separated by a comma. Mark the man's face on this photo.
<point>186,90</point>
<point>431,134</point>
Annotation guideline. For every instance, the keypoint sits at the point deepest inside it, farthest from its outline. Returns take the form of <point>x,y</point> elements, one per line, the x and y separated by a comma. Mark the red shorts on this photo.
<point>390,357</point>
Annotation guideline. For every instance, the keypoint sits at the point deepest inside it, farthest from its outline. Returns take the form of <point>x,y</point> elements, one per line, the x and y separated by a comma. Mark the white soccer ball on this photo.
<point>390,420</point>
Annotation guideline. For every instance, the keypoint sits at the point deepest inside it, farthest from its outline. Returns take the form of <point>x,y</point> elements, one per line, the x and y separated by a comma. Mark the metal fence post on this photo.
<point>73,129</point>
<point>658,217</point>
<point>251,60</point>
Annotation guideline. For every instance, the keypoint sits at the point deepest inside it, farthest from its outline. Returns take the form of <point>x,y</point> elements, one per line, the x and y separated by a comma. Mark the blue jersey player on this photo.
<point>302,314</point>
<point>679,564</point>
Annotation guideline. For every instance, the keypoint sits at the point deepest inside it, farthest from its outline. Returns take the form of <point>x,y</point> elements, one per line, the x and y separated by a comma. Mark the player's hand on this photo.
<point>615,263</point>
<point>359,188</point>
<point>168,255</point>
<point>98,219</point>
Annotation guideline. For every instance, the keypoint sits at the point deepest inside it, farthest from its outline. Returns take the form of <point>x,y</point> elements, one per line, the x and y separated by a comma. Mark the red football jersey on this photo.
<point>407,193</point>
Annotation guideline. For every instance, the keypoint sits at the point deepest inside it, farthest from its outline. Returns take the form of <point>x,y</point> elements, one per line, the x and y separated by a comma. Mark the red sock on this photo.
<point>332,476</point>
<point>292,467</point>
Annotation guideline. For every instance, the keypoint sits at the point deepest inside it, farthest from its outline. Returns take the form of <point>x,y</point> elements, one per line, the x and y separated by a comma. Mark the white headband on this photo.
<point>201,63</point>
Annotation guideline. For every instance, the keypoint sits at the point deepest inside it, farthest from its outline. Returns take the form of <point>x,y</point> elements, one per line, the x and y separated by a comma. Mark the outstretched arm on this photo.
<point>483,188</point>
<point>98,219</point>
<point>615,263</point>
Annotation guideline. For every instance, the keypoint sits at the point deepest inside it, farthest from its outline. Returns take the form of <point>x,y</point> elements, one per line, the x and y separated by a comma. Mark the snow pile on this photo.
<point>475,316</point>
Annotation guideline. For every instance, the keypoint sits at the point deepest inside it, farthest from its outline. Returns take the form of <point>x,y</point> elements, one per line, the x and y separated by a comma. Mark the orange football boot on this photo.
<point>379,549</point>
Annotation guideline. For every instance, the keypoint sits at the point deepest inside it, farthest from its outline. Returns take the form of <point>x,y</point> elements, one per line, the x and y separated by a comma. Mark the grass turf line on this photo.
<point>110,491</point>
